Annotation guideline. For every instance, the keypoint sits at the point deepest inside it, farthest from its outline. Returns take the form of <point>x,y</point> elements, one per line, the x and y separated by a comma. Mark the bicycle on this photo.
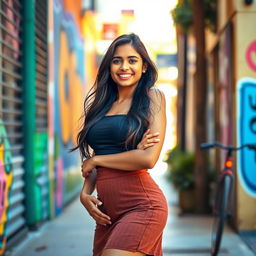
<point>223,192</point>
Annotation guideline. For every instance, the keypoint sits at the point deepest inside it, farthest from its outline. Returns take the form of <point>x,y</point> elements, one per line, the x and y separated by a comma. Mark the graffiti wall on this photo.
<point>67,103</point>
<point>246,119</point>
<point>5,184</point>
<point>247,134</point>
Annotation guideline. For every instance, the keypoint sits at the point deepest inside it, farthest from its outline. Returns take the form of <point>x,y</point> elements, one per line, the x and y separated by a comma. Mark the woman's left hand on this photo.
<point>87,167</point>
<point>148,140</point>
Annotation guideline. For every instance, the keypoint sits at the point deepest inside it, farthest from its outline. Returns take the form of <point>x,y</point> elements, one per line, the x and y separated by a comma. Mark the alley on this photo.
<point>52,53</point>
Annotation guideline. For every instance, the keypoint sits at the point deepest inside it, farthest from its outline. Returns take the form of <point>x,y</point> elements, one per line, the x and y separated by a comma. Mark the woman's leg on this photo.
<point>115,252</point>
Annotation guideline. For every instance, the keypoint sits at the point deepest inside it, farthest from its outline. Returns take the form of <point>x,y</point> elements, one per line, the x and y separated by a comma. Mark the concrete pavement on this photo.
<point>72,233</point>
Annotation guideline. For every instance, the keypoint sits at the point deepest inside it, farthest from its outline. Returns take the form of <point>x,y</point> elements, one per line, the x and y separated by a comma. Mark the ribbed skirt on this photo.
<point>138,212</point>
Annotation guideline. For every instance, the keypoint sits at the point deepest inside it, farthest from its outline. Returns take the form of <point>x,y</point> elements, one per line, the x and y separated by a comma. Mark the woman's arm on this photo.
<point>137,158</point>
<point>91,202</point>
<point>89,183</point>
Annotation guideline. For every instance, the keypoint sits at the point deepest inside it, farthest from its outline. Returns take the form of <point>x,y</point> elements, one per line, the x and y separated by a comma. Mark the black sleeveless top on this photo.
<point>108,135</point>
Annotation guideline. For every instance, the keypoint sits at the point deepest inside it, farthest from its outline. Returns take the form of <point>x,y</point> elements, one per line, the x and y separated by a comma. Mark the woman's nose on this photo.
<point>125,65</point>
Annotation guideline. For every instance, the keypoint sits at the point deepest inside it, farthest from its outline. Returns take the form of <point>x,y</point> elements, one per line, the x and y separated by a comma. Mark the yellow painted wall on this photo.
<point>241,7</point>
<point>228,8</point>
<point>243,38</point>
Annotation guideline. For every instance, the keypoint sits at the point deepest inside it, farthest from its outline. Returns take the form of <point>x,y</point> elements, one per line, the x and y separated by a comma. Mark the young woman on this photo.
<point>125,126</point>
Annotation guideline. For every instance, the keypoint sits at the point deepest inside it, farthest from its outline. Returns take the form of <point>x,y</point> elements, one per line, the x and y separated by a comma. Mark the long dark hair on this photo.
<point>104,93</point>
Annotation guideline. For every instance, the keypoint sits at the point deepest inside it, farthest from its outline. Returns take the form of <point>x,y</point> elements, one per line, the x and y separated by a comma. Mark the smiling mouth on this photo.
<point>125,76</point>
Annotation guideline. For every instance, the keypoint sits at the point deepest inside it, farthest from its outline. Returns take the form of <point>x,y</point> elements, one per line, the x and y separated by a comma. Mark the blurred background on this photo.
<point>205,52</point>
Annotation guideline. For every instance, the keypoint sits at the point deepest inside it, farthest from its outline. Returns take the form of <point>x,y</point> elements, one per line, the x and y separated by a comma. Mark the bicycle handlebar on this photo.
<point>226,147</point>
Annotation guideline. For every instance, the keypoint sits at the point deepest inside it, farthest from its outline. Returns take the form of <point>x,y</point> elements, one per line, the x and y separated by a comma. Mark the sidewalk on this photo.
<point>72,233</point>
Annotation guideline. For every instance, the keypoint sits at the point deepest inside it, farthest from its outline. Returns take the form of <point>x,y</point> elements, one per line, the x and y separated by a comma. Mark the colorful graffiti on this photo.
<point>250,55</point>
<point>70,90</point>
<point>51,105</point>
<point>246,127</point>
<point>5,183</point>
<point>68,94</point>
<point>42,208</point>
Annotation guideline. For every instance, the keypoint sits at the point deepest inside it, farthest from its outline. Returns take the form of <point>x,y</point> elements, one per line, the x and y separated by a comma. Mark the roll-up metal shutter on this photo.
<point>41,155</point>
<point>11,145</point>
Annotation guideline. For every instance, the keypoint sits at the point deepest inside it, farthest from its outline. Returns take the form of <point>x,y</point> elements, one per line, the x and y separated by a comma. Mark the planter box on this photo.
<point>187,201</point>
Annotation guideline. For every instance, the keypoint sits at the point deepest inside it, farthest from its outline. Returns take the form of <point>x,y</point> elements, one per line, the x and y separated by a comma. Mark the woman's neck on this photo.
<point>125,94</point>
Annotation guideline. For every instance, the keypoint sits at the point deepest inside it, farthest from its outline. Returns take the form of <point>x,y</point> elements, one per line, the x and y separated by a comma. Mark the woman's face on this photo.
<point>126,66</point>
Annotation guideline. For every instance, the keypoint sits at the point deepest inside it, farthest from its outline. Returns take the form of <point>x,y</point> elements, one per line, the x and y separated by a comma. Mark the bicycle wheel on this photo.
<point>223,192</point>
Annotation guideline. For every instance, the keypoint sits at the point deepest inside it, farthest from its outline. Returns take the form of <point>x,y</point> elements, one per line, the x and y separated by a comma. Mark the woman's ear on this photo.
<point>144,67</point>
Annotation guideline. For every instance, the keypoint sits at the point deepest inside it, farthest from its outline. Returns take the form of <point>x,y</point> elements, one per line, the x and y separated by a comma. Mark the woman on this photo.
<point>125,126</point>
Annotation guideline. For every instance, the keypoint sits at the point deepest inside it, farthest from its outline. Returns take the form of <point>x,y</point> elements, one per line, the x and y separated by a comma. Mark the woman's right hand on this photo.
<point>148,140</point>
<point>90,203</point>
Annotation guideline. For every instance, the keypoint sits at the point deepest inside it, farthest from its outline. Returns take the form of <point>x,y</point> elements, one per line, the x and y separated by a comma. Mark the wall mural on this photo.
<point>10,48</point>
<point>246,124</point>
<point>250,53</point>
<point>246,127</point>
<point>5,183</point>
<point>69,89</point>
<point>41,166</point>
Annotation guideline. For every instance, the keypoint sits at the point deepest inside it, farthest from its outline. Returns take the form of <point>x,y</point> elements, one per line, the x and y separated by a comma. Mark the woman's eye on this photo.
<point>116,61</point>
<point>132,61</point>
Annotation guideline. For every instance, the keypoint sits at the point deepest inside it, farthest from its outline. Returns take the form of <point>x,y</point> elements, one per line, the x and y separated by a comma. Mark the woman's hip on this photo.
<point>136,191</point>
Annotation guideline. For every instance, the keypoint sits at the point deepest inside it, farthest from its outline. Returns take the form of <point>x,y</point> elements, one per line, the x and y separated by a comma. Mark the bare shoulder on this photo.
<point>157,99</point>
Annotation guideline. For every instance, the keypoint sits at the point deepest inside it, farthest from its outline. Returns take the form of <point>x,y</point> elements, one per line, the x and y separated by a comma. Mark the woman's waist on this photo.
<point>104,173</point>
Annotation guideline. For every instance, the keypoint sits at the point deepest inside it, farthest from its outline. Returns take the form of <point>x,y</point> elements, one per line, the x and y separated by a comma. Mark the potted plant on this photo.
<point>181,167</point>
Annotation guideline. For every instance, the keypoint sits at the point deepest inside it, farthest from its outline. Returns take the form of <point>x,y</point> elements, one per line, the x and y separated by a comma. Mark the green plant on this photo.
<point>181,167</point>
<point>182,14</point>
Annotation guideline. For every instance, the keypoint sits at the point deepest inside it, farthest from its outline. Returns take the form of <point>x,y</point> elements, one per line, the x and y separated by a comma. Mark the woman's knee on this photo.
<point>116,252</point>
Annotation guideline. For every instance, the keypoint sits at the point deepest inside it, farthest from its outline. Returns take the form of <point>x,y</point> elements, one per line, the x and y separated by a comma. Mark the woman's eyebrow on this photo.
<point>133,57</point>
<point>119,57</point>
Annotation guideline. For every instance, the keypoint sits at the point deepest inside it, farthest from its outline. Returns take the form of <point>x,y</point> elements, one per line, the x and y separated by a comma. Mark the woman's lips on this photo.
<point>124,76</point>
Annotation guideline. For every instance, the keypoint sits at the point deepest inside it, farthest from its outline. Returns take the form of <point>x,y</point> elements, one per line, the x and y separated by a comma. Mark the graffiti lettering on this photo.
<point>253,125</point>
<point>253,119</point>
<point>247,134</point>
<point>251,103</point>
<point>250,55</point>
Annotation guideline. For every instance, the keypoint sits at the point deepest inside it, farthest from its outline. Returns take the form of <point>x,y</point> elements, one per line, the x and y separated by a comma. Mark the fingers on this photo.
<point>96,201</point>
<point>150,140</point>
<point>85,173</point>
<point>100,217</point>
<point>95,212</point>
<point>148,145</point>
<point>146,133</point>
<point>151,135</point>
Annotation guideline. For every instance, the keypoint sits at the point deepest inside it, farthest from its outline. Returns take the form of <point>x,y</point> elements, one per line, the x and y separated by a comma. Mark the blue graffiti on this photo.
<point>246,129</point>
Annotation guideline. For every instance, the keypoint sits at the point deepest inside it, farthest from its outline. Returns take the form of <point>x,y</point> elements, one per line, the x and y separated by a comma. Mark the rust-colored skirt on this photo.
<point>138,212</point>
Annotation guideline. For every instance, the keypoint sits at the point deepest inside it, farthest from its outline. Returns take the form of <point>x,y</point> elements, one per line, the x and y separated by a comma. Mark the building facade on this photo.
<point>231,98</point>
